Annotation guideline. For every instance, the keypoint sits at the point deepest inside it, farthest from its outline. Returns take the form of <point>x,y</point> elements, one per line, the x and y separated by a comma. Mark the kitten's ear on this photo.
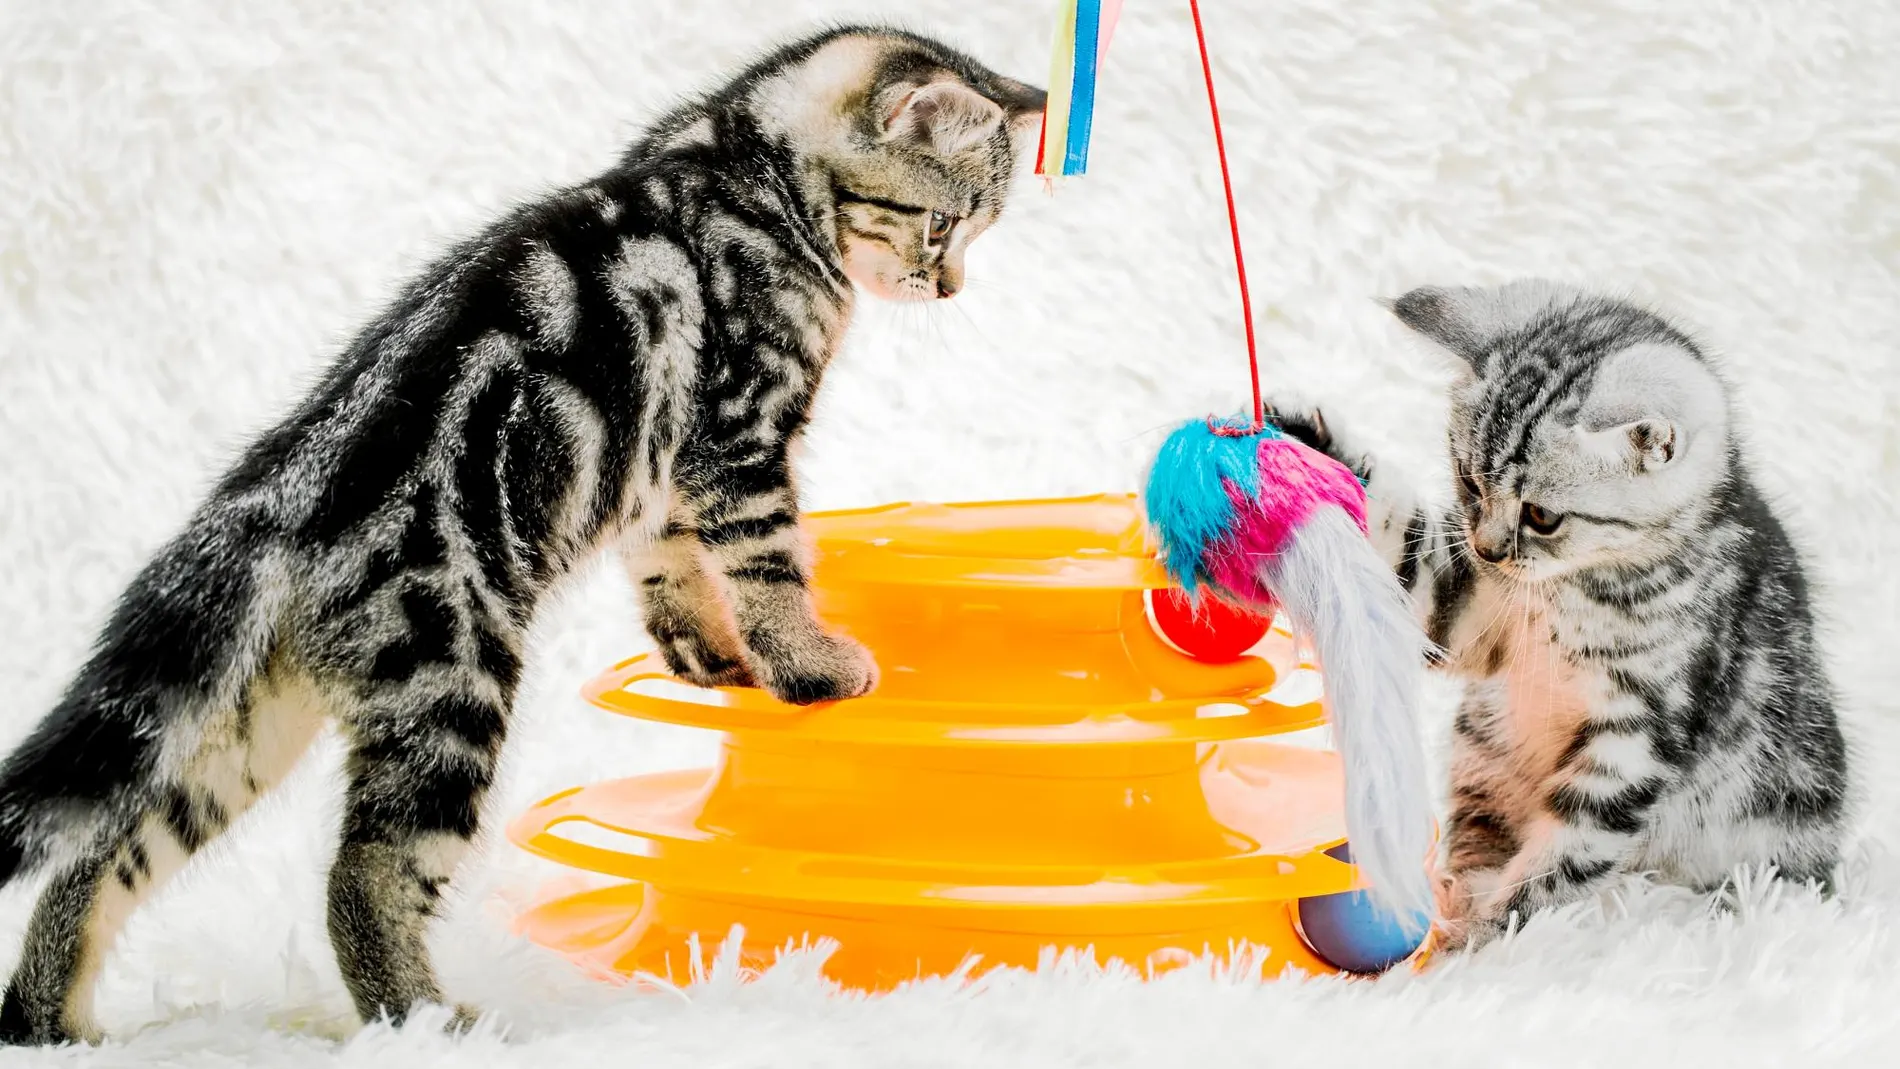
<point>1652,442</point>
<point>1643,446</point>
<point>1021,102</point>
<point>1024,104</point>
<point>1469,320</point>
<point>1450,317</point>
<point>947,117</point>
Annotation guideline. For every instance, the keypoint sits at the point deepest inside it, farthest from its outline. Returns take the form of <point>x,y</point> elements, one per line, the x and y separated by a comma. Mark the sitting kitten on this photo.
<point>1644,692</point>
<point>626,363</point>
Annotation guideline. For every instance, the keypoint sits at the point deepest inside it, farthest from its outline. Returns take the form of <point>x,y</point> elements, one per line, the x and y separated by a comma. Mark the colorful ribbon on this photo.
<point>1083,28</point>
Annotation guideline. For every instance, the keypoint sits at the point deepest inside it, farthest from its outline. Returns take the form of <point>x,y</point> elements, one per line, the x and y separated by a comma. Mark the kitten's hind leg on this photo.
<point>1588,823</point>
<point>1808,858</point>
<point>1481,833</point>
<point>423,754</point>
<point>243,753</point>
<point>1824,878</point>
<point>684,612</point>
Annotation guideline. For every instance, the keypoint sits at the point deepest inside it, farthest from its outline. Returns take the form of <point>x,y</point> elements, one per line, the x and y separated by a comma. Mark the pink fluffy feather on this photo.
<point>1295,481</point>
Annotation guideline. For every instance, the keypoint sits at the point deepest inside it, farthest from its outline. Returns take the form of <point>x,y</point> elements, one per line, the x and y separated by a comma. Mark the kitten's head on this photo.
<point>912,143</point>
<point>1585,431</point>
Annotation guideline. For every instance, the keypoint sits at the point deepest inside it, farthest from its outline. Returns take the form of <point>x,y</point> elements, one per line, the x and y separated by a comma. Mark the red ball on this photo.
<point>1210,631</point>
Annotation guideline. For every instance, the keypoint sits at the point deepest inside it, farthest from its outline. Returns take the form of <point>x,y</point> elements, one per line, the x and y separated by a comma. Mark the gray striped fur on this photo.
<point>1643,688</point>
<point>626,363</point>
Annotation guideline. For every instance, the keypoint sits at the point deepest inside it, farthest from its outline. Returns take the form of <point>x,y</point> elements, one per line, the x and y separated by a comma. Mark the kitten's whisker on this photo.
<point>1500,612</point>
<point>1150,430</point>
<point>1528,880</point>
<point>1548,680</point>
<point>1552,656</point>
<point>974,325</point>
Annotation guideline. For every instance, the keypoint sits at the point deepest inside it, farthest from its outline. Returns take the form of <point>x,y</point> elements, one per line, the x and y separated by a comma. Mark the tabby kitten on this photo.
<point>625,363</point>
<point>1644,689</point>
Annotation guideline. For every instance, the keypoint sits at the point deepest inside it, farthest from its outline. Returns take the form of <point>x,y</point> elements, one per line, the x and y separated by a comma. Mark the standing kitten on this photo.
<point>1644,691</point>
<point>626,363</point>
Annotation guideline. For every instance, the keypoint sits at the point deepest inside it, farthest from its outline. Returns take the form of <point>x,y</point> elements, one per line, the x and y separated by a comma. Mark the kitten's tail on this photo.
<point>1335,589</point>
<point>181,643</point>
<point>31,824</point>
<point>71,780</point>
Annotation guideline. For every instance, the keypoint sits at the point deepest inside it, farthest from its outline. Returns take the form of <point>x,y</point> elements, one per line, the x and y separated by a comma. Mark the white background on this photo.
<point>200,199</point>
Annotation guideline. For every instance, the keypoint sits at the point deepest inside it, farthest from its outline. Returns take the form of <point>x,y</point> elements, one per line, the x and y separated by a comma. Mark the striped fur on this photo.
<point>626,364</point>
<point>1644,691</point>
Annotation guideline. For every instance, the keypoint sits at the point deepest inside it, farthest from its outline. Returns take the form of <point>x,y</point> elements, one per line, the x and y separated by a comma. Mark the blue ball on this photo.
<point>1349,932</point>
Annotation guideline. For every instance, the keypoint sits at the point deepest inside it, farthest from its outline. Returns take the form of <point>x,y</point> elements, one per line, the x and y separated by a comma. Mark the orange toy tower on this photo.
<point>1037,768</point>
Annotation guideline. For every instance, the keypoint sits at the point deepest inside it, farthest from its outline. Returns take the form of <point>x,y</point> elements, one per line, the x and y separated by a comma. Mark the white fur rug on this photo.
<point>200,198</point>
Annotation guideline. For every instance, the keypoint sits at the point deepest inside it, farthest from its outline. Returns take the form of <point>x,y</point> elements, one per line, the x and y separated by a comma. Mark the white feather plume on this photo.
<point>1338,593</point>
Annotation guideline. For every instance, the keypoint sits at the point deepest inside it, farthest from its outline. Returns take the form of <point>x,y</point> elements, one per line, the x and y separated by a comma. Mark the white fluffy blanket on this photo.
<point>200,198</point>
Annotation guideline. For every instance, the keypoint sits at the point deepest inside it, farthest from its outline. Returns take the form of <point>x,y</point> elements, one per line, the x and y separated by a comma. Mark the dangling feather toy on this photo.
<point>1254,518</point>
<point>1257,519</point>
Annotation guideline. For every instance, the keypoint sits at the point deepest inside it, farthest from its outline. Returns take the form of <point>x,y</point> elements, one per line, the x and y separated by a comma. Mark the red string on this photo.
<point>1233,221</point>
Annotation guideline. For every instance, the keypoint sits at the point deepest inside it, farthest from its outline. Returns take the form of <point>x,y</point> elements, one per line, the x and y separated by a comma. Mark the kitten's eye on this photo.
<point>1470,483</point>
<point>940,224</point>
<point>1541,521</point>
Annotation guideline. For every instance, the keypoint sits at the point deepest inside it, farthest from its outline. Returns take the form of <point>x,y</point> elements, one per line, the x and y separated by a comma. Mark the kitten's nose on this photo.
<point>946,288</point>
<point>1494,552</point>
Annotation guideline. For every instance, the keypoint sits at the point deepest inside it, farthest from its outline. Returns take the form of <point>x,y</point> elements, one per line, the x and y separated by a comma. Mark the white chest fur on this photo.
<point>1509,651</point>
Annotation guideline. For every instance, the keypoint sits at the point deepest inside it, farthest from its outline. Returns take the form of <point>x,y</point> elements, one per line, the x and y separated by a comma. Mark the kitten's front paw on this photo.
<point>825,668</point>
<point>696,661</point>
<point>1307,426</point>
<point>1449,896</point>
<point>1469,933</point>
<point>708,669</point>
<point>1393,515</point>
<point>1451,903</point>
<point>1464,922</point>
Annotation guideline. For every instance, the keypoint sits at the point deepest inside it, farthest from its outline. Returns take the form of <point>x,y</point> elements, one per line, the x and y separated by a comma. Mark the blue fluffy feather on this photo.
<point>1187,498</point>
